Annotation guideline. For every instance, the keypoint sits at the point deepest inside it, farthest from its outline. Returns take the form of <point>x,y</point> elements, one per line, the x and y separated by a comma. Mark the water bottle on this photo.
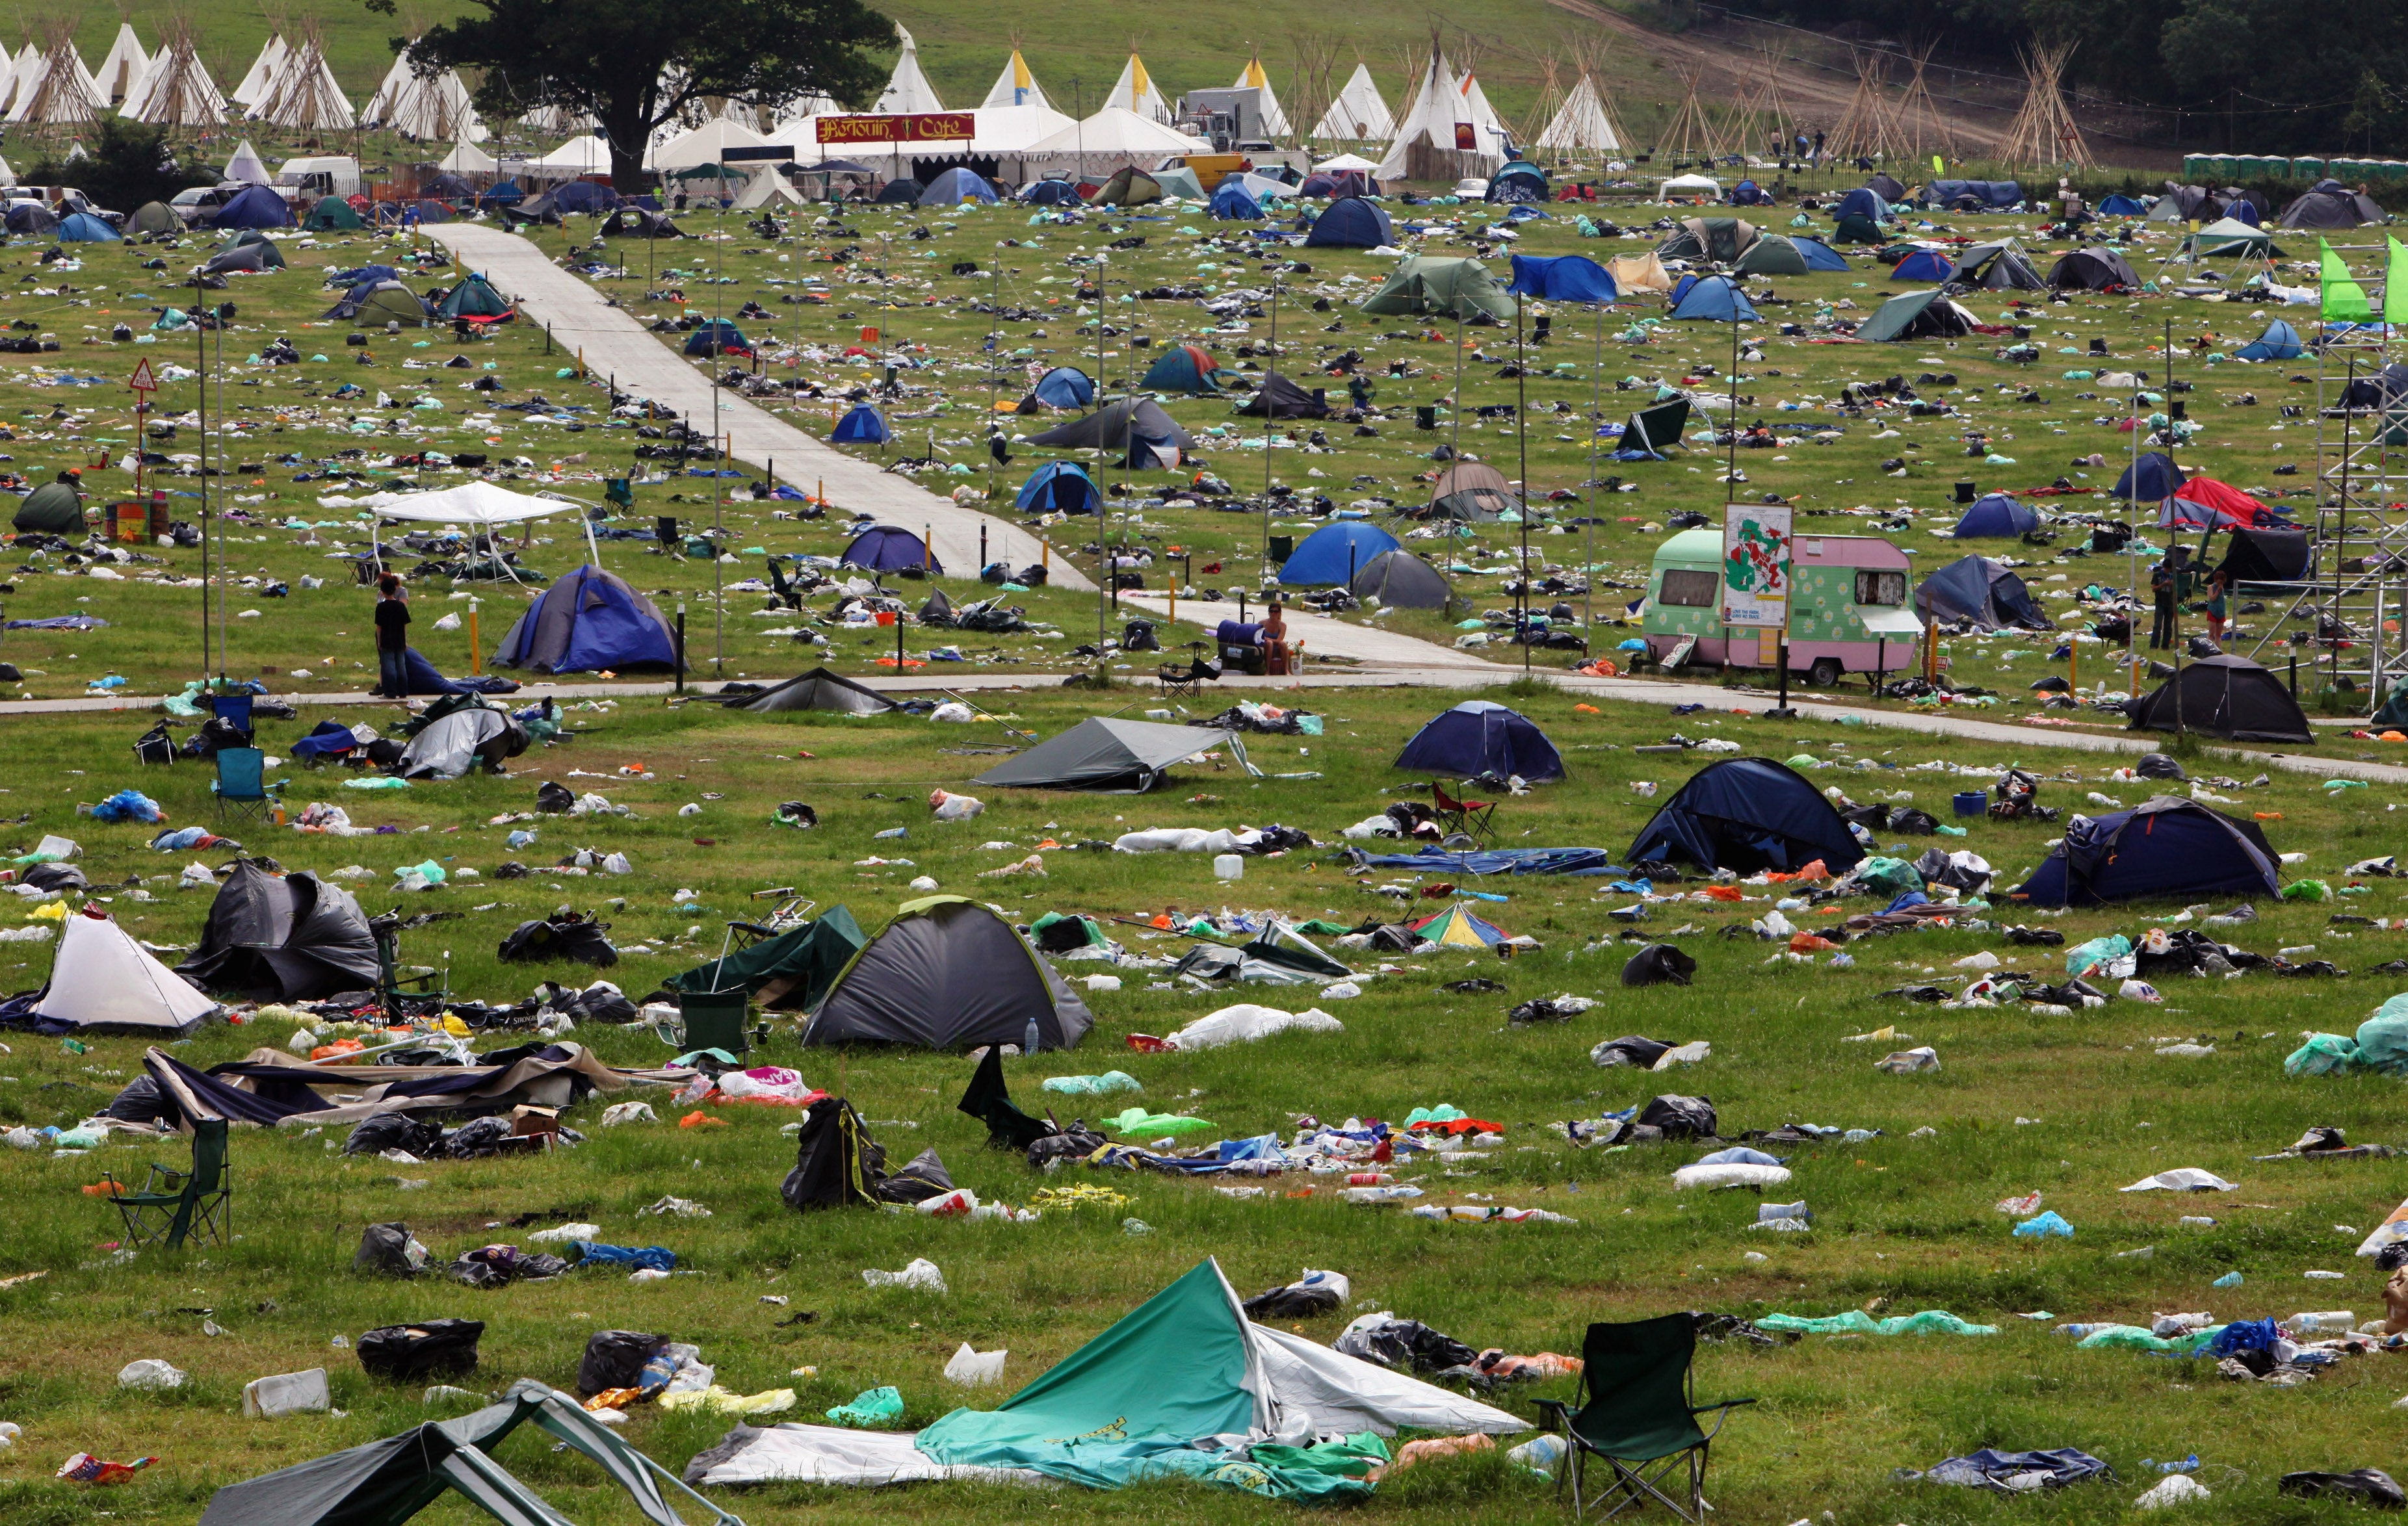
<point>1028,1039</point>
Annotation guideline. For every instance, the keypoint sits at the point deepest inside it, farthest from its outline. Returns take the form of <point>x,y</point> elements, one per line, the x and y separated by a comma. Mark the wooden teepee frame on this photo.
<point>1691,134</point>
<point>1869,128</point>
<point>2044,131</point>
<point>1921,125</point>
<point>62,99</point>
<point>1550,99</point>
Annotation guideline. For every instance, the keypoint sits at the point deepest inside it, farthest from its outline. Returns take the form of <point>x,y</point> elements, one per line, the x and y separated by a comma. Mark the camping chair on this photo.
<point>715,1021</point>
<point>234,709</point>
<point>1187,683</point>
<point>1453,815</point>
<point>393,994</point>
<point>205,1193</point>
<point>242,782</point>
<point>1635,1410</point>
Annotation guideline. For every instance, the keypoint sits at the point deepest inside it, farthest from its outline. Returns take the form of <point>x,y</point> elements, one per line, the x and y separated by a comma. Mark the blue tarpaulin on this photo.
<point>1584,862</point>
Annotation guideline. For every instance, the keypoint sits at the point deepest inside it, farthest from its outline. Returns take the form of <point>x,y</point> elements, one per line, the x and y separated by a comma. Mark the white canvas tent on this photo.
<point>584,154</point>
<point>13,71</point>
<point>1135,91</point>
<point>908,89</point>
<point>1583,123</point>
<point>58,89</point>
<point>468,159</point>
<point>1359,115</point>
<point>768,188</point>
<point>1003,129</point>
<point>121,73</point>
<point>1104,142</point>
<point>246,167</point>
<point>1254,76</point>
<point>1439,139</point>
<point>260,82</point>
<point>1476,106</point>
<point>430,110</point>
<point>704,145</point>
<point>104,979</point>
<point>177,91</point>
<point>1015,86</point>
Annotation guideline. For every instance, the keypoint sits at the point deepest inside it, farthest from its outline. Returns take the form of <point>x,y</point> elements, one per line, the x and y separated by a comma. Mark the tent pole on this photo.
<point>1595,404</point>
<point>1522,432</point>
<point>718,479</point>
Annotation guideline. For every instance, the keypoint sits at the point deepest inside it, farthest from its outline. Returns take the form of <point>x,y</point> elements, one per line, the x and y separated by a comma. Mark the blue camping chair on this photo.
<point>234,709</point>
<point>242,782</point>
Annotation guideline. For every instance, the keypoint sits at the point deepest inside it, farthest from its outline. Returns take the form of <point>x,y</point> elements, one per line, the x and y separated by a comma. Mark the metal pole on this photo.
<point>201,360</point>
<point>1522,433</point>
<point>994,364</point>
<point>224,594</point>
<point>1103,494</point>
<point>1265,395</point>
<point>1596,405</point>
<point>681,647</point>
<point>719,480</point>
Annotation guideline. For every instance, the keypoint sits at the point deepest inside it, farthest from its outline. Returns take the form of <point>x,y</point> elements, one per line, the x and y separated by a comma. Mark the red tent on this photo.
<point>2204,504</point>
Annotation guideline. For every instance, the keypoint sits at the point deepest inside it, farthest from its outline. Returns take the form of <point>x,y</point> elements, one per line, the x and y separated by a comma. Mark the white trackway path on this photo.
<point>615,345</point>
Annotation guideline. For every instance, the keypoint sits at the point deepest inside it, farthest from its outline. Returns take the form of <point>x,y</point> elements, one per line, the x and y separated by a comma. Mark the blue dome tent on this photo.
<point>1481,737</point>
<point>2164,848</point>
<point>1996,516</point>
<point>1064,387</point>
<point>1862,201</point>
<point>1231,202</point>
<point>1565,278</point>
<point>956,186</point>
<point>1351,222</point>
<point>1518,181</point>
<point>254,207</point>
<point>1924,266</point>
<point>1747,815</point>
<point>584,196</point>
<point>1183,368</point>
<point>1715,299</point>
<point>1049,193</point>
<point>2280,342</point>
<point>2121,205</point>
<point>864,426</point>
<point>2151,480</point>
<point>887,548</point>
<point>717,336</point>
<point>587,622</point>
<point>1060,487</point>
<point>1818,255</point>
<point>84,228</point>
<point>1335,553</point>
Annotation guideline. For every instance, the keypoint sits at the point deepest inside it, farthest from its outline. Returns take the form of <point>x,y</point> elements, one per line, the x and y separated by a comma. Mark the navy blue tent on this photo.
<point>2151,480</point>
<point>956,186</point>
<point>1748,194</point>
<point>2280,342</point>
<point>1924,266</point>
<point>1716,299</point>
<point>1564,278</point>
<point>864,426</point>
<point>1995,515</point>
<point>2163,847</point>
<point>1351,222</point>
<point>2242,210</point>
<point>2120,206</point>
<point>717,336</point>
<point>254,207</point>
<point>1060,487</point>
<point>888,548</point>
<point>584,196</point>
<point>1232,202</point>
<point>1481,737</point>
<point>1049,192</point>
<point>1064,387</point>
<point>1336,553</point>
<point>1519,182</point>
<point>1976,589</point>
<point>1819,255</point>
<point>587,622</point>
<point>1862,201</point>
<point>1747,815</point>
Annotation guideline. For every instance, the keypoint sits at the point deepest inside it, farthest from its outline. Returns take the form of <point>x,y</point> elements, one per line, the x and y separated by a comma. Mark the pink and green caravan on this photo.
<point>1850,612</point>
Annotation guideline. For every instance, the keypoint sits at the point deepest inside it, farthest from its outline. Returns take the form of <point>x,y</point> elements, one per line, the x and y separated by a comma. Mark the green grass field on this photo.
<point>1903,1224</point>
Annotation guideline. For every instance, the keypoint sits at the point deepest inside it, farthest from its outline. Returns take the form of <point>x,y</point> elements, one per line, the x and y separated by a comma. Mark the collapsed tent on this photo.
<point>1104,752</point>
<point>2093,269</point>
<point>588,621</point>
<point>1181,368</point>
<point>1983,591</point>
<point>270,1087</point>
<point>2002,266</point>
<point>2230,698</point>
<point>1280,398</point>
<point>1747,815</point>
<point>817,690</point>
<point>1459,927</point>
<point>839,1166</point>
<point>2254,558</point>
<point>1145,427</point>
<point>1473,492</point>
<point>1719,240</point>
<point>1183,1386</point>
<point>461,734</point>
<point>1400,579</point>
<point>788,972</point>
<point>949,974</point>
<point>890,547</point>
<point>1350,222</point>
<point>1997,517</point>
<point>104,981</point>
<point>2166,847</point>
<point>1335,553</point>
<point>1425,286</point>
<point>1563,278</point>
<point>2202,503</point>
<point>282,939</point>
<point>1482,738</point>
<point>1916,315</point>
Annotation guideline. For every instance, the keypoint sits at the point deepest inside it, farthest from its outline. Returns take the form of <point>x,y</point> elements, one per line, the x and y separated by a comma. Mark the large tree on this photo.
<point>633,65</point>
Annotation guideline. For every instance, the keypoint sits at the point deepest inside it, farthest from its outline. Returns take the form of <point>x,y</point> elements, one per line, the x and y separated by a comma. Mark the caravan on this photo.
<point>1848,614</point>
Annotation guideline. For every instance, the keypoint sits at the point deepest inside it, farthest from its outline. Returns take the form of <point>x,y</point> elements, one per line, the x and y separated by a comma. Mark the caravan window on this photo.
<point>1881,587</point>
<point>1690,589</point>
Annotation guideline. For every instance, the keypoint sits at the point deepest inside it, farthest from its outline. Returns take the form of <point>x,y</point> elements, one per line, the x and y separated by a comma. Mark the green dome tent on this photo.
<point>155,218</point>
<point>1771,255</point>
<point>270,257</point>
<point>1455,288</point>
<point>390,302</point>
<point>52,508</point>
<point>1128,187</point>
<point>475,300</point>
<point>332,214</point>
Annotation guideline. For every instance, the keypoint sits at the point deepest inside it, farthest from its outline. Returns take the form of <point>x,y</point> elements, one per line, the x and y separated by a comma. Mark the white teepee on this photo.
<point>256,86</point>
<point>306,97</point>
<point>1583,123</point>
<point>246,166</point>
<point>58,89</point>
<point>121,73</point>
<point>1359,115</point>
<point>1438,139</point>
<point>1475,101</point>
<point>768,188</point>
<point>177,92</point>
<point>430,110</point>
<point>1015,86</point>
<point>1135,91</point>
<point>908,89</point>
<point>1254,76</point>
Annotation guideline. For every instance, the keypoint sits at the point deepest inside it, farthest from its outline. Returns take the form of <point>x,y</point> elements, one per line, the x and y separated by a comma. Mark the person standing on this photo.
<point>2216,606</point>
<point>393,638</point>
<point>2161,585</point>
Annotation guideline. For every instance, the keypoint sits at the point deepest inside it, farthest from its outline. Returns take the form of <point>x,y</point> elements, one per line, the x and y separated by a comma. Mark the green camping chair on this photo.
<point>200,1200</point>
<point>715,1021</point>
<point>1636,1412</point>
<point>405,995</point>
<point>242,782</point>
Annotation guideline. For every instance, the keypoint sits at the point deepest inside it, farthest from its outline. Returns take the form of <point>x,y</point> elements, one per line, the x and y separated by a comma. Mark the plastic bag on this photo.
<point>871,1409</point>
<point>922,1275</point>
<point>614,1359</point>
<point>2048,1225</point>
<point>2382,1038</point>
<point>149,1372</point>
<point>1093,1086</point>
<point>2104,950</point>
<point>975,1369</point>
<point>2323,1054</point>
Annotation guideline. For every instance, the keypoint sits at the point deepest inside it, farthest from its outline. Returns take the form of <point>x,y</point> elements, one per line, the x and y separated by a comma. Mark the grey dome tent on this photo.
<point>1915,315</point>
<point>948,974</point>
<point>154,217</point>
<point>1980,590</point>
<point>1721,239</point>
<point>1747,815</point>
<point>2230,698</point>
<point>1280,398</point>
<point>52,508</point>
<point>2328,203</point>
<point>1471,490</point>
<point>1102,752</point>
<point>818,690</point>
<point>294,938</point>
<point>2093,269</point>
<point>1109,425</point>
<point>1400,578</point>
<point>2002,266</point>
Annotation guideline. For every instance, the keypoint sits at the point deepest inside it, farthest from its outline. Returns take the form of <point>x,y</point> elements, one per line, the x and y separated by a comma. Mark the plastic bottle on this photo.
<point>1228,866</point>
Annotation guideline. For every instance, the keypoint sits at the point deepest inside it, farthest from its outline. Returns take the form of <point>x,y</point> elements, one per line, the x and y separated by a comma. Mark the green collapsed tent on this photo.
<point>789,972</point>
<point>1771,255</point>
<point>1915,315</point>
<point>948,974</point>
<point>1128,188</point>
<point>51,508</point>
<point>1452,287</point>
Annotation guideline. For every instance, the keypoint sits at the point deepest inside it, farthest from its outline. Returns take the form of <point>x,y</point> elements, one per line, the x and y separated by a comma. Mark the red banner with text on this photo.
<point>915,127</point>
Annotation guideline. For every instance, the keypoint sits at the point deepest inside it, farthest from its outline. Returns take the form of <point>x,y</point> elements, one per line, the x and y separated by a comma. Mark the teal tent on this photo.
<point>789,972</point>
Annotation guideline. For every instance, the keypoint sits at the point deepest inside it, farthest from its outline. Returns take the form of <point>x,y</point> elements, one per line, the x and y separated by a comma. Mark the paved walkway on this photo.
<point>1336,638</point>
<point>615,345</point>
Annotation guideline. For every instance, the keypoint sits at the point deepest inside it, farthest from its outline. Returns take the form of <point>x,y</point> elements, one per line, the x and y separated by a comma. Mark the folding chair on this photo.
<point>1187,683</point>
<point>242,782</point>
<point>1453,815</point>
<point>1636,1412</point>
<point>234,709</point>
<point>715,1021</point>
<point>394,993</point>
<point>174,1204</point>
